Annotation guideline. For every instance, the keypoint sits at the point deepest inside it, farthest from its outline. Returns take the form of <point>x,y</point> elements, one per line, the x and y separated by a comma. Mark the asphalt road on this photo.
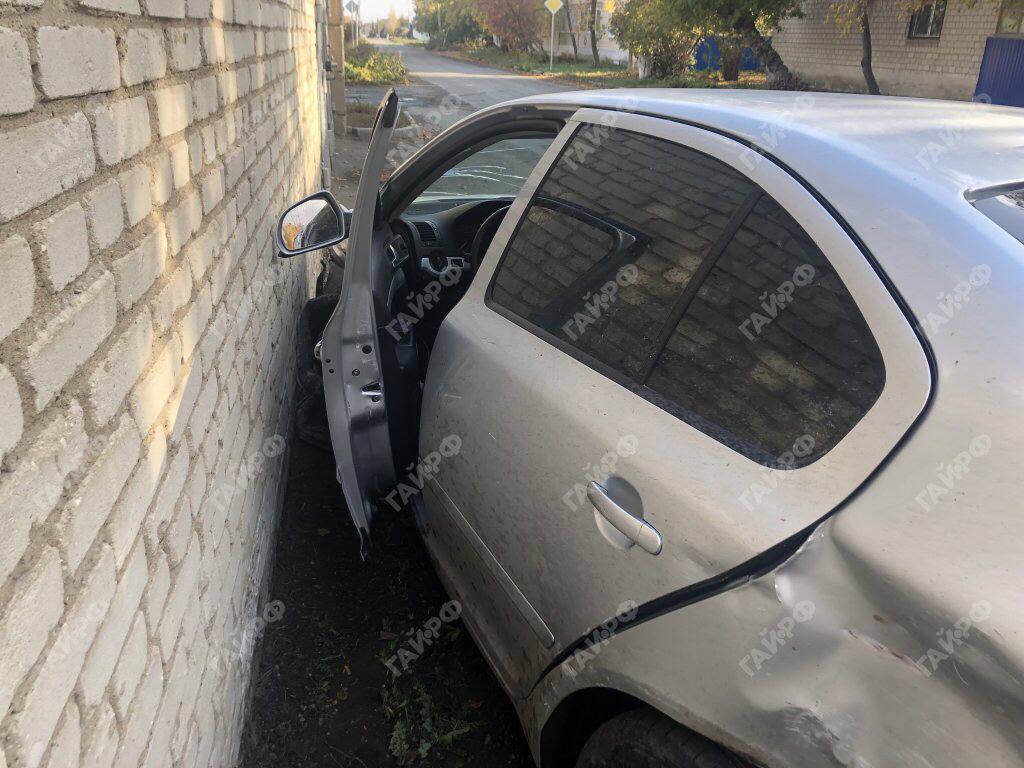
<point>473,86</point>
<point>441,91</point>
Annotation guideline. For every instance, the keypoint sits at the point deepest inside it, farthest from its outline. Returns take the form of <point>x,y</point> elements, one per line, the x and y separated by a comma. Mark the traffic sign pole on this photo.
<point>553,7</point>
<point>551,64</point>
<point>353,10</point>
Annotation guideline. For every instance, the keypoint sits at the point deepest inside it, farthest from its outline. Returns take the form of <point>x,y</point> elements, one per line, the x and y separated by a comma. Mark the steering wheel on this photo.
<point>485,234</point>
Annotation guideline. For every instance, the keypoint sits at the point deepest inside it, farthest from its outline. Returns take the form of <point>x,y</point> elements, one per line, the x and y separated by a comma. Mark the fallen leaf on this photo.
<point>323,531</point>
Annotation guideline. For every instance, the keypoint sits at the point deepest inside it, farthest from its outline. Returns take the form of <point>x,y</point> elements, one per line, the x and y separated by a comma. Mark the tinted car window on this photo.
<point>680,278</point>
<point>772,356</point>
<point>613,236</point>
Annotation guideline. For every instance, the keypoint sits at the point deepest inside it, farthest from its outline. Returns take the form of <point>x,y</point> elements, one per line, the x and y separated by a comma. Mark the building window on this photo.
<point>1011,18</point>
<point>927,22</point>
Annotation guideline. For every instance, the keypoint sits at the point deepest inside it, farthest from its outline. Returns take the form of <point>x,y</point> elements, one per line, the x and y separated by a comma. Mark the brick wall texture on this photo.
<point>146,147</point>
<point>945,68</point>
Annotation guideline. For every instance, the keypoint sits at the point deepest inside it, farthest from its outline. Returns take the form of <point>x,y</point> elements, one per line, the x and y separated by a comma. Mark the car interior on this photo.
<point>431,248</point>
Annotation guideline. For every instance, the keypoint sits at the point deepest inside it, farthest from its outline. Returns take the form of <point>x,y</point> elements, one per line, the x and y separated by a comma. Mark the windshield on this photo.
<point>498,170</point>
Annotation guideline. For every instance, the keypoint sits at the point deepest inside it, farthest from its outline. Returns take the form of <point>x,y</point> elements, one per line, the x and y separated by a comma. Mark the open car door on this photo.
<point>351,354</point>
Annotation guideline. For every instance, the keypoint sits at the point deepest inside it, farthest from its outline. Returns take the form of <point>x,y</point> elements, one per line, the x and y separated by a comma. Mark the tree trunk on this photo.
<point>572,34</point>
<point>778,74</point>
<point>865,59</point>
<point>730,51</point>
<point>593,32</point>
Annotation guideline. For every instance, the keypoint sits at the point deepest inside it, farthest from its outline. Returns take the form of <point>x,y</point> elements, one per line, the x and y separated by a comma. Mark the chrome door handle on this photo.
<point>629,525</point>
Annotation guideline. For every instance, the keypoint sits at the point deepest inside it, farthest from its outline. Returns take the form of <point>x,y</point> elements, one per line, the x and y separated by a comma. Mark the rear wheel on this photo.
<point>648,739</point>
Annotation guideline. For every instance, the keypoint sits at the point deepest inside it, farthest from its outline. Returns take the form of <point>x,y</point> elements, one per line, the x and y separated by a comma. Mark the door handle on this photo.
<point>629,525</point>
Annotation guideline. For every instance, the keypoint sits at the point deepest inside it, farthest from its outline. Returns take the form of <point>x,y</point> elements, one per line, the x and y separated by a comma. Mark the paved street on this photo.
<point>441,92</point>
<point>473,85</point>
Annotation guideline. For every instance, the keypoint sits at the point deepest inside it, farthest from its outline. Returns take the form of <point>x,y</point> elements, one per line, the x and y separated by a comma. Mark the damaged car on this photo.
<point>707,409</point>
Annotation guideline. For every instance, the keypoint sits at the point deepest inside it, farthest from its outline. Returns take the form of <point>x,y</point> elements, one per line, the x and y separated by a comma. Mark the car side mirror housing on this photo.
<point>315,222</point>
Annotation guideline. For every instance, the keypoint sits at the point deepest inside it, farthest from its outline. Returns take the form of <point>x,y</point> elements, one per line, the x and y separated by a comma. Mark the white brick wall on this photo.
<point>77,60</point>
<point>64,245</point>
<point>122,129</point>
<point>945,68</point>
<point>16,93</point>
<point>145,349</point>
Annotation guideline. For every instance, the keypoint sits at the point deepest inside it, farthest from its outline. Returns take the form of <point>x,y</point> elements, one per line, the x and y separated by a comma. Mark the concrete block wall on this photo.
<point>946,68</point>
<point>146,147</point>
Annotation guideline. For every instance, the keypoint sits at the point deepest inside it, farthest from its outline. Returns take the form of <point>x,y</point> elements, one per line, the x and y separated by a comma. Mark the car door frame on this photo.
<point>350,352</point>
<point>908,381</point>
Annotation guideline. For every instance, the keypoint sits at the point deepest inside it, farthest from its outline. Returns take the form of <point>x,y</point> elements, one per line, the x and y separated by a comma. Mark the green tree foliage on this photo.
<point>662,30</point>
<point>750,22</point>
<point>517,23</point>
<point>394,22</point>
<point>458,21</point>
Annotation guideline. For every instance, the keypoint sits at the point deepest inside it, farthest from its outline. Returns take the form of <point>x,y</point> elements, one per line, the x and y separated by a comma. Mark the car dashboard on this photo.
<point>438,231</point>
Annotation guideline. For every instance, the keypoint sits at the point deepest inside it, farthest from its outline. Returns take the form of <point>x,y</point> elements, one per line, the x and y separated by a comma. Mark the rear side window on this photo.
<point>678,277</point>
<point>772,354</point>
<point>614,233</point>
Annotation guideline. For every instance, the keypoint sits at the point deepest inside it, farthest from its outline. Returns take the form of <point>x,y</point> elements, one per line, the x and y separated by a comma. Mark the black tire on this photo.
<point>647,739</point>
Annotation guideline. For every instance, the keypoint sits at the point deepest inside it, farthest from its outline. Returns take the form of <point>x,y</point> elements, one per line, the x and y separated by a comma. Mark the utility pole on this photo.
<point>336,47</point>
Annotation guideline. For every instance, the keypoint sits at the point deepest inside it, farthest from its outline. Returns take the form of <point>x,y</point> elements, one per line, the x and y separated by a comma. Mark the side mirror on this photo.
<point>317,221</point>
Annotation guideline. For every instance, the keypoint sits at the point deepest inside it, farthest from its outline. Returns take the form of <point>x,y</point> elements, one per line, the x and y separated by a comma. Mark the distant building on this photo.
<point>607,47</point>
<point>945,50</point>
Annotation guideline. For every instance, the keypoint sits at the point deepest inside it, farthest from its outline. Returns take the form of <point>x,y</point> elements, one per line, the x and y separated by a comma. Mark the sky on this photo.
<point>378,9</point>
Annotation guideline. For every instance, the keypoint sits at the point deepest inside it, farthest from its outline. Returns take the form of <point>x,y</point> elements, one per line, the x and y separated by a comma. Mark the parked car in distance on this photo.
<point>708,407</point>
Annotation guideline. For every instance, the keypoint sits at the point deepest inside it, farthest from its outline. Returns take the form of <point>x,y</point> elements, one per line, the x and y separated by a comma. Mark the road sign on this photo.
<point>351,6</point>
<point>554,6</point>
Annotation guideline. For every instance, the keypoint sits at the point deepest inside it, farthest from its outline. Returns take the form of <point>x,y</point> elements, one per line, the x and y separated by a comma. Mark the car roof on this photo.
<point>954,146</point>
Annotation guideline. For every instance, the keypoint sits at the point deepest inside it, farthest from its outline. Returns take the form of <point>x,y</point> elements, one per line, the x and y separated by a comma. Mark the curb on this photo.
<point>409,130</point>
<point>544,76</point>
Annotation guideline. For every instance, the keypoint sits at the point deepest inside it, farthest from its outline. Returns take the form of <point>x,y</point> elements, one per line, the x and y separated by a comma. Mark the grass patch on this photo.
<point>420,724</point>
<point>584,74</point>
<point>365,65</point>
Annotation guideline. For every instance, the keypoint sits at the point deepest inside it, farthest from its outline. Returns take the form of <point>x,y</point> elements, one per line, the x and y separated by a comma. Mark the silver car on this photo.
<point>708,406</point>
